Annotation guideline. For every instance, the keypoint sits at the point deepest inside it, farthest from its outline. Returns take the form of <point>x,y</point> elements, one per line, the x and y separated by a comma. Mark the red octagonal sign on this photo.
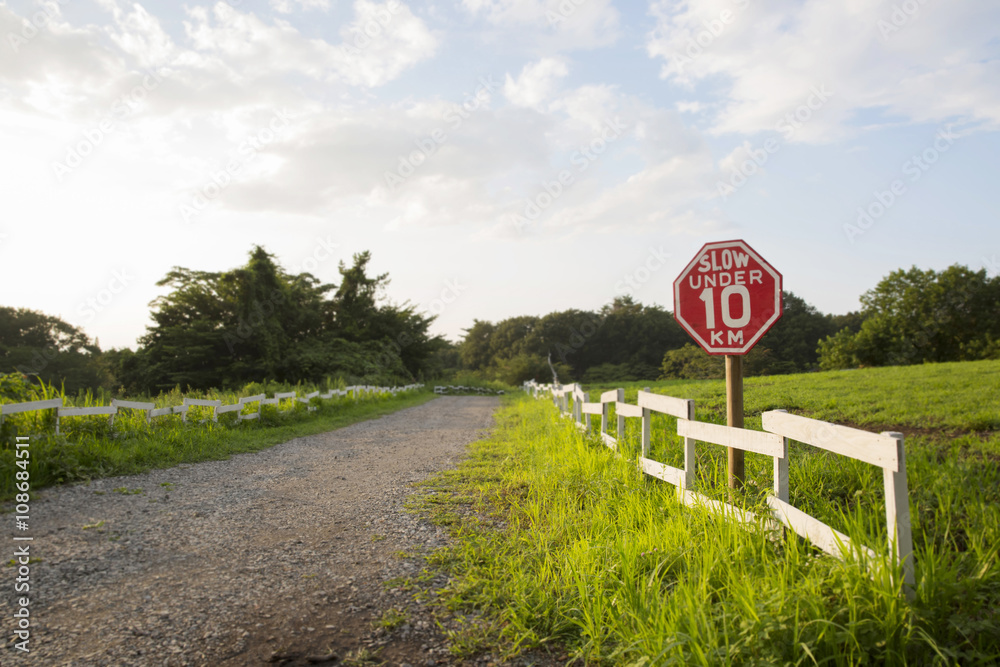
<point>727,297</point>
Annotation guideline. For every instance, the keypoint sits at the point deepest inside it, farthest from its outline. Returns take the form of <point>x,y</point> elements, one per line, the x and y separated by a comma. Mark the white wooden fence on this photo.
<point>117,405</point>
<point>884,450</point>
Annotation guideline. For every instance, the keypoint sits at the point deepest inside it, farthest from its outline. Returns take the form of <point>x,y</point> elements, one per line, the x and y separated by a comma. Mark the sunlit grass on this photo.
<point>90,447</point>
<point>573,547</point>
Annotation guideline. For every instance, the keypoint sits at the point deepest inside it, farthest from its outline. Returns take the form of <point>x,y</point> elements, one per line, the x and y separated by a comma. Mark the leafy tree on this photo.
<point>914,316</point>
<point>793,339</point>
<point>692,363</point>
<point>474,350</point>
<point>257,322</point>
<point>635,336</point>
<point>35,344</point>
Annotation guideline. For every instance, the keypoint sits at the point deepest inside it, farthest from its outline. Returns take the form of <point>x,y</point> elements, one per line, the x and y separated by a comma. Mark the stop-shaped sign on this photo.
<point>727,297</point>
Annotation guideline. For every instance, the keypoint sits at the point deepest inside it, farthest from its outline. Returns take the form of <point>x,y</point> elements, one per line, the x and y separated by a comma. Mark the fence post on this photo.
<point>897,514</point>
<point>620,419</point>
<point>647,424</point>
<point>689,454</point>
<point>781,471</point>
<point>586,399</point>
<point>604,419</point>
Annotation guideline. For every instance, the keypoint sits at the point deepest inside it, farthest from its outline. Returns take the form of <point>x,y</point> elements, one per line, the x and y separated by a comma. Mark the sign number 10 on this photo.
<point>708,296</point>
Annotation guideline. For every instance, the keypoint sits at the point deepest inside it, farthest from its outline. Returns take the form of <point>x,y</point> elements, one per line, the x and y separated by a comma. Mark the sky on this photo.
<point>497,157</point>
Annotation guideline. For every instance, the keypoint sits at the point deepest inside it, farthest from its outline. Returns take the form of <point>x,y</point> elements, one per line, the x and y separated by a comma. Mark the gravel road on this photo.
<point>273,557</point>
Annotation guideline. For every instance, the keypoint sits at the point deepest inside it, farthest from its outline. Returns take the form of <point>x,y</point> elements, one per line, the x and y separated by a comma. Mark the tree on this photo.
<point>474,350</point>
<point>793,340</point>
<point>916,316</point>
<point>35,344</point>
<point>257,323</point>
<point>692,363</point>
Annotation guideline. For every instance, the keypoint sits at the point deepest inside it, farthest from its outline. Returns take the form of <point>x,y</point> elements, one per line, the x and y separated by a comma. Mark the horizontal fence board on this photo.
<point>627,410</point>
<point>84,412</point>
<point>609,396</point>
<point>223,409</point>
<point>203,402</point>
<point>879,450</point>
<point>758,442</point>
<point>609,441</point>
<point>675,407</point>
<point>134,405</point>
<point>30,406</point>
<point>695,499</point>
<point>252,399</point>
<point>814,530</point>
<point>253,415</point>
<point>286,394</point>
<point>662,471</point>
<point>174,409</point>
<point>269,401</point>
<point>313,394</point>
<point>592,408</point>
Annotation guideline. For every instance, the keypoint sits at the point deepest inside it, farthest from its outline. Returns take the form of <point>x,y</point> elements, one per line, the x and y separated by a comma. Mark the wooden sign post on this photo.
<point>726,298</point>
<point>734,417</point>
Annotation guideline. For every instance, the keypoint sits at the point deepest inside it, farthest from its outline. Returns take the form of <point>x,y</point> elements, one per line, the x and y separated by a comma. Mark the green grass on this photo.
<point>959,396</point>
<point>570,547</point>
<point>89,448</point>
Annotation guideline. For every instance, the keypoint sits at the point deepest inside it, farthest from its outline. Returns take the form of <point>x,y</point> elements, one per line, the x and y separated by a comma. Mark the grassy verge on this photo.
<point>90,449</point>
<point>562,544</point>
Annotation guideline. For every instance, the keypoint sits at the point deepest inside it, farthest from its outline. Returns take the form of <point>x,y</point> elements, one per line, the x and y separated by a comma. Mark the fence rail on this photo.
<point>151,411</point>
<point>884,450</point>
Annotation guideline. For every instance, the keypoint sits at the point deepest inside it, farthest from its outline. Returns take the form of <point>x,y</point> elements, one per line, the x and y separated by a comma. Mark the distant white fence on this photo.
<point>117,405</point>
<point>884,450</point>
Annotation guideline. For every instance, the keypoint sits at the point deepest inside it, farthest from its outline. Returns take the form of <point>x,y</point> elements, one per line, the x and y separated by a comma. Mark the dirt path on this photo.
<point>274,557</point>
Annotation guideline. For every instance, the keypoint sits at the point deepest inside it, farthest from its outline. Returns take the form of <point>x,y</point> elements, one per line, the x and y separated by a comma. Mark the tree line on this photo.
<point>257,323</point>
<point>225,329</point>
<point>911,316</point>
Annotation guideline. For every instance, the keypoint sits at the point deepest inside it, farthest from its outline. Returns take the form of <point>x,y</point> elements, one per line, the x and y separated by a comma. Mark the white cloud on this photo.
<point>380,43</point>
<point>550,25</point>
<point>939,61</point>
<point>289,6</point>
<point>535,83</point>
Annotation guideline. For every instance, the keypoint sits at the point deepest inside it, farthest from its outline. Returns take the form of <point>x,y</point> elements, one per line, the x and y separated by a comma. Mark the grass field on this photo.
<point>562,544</point>
<point>89,447</point>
